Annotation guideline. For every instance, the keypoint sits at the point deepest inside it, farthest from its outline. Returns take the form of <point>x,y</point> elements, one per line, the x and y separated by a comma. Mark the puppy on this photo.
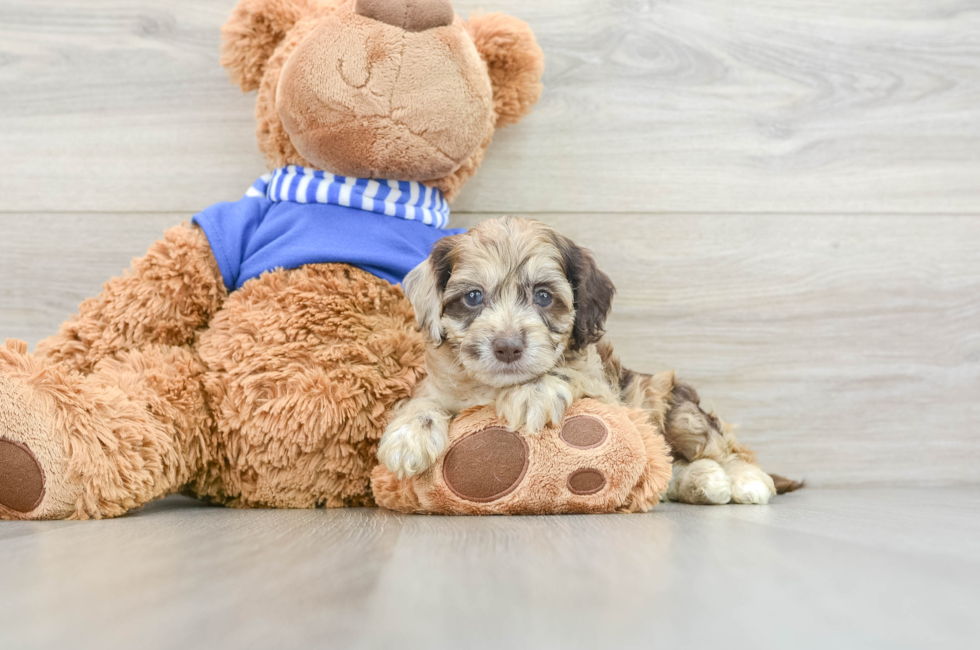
<point>514,313</point>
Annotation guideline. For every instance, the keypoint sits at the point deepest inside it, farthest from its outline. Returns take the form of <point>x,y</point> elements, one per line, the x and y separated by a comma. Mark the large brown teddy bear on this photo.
<point>252,358</point>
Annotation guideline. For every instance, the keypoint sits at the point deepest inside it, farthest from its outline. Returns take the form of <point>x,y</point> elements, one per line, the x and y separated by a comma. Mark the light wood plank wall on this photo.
<point>787,194</point>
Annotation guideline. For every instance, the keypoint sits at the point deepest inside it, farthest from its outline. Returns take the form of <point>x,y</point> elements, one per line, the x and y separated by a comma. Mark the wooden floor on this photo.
<point>865,568</point>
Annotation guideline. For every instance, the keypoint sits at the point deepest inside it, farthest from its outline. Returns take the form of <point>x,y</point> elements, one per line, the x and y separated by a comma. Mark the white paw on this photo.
<point>715,487</point>
<point>701,482</point>
<point>535,405</point>
<point>751,485</point>
<point>412,448</point>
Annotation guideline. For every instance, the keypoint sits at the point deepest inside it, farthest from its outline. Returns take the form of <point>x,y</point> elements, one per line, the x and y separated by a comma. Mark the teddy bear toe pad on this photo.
<point>586,481</point>
<point>584,432</point>
<point>487,465</point>
<point>21,477</point>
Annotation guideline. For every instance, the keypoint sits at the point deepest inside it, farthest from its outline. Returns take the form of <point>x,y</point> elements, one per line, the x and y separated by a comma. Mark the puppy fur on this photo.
<point>513,313</point>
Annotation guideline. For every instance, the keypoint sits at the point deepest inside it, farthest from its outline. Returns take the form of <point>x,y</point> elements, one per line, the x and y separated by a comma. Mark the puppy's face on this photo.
<point>509,297</point>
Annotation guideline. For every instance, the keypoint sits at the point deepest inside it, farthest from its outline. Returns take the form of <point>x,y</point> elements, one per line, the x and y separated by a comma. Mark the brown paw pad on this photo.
<point>584,432</point>
<point>21,477</point>
<point>586,481</point>
<point>486,465</point>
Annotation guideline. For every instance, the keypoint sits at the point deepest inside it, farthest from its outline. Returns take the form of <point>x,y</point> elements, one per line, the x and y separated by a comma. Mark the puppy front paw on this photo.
<point>534,405</point>
<point>411,447</point>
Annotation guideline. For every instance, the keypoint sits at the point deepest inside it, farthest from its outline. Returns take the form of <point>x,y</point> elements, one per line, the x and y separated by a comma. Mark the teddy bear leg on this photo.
<point>305,367</point>
<point>169,294</point>
<point>79,447</point>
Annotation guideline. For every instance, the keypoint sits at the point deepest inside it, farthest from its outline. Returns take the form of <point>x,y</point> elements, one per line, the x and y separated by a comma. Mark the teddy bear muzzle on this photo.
<point>410,15</point>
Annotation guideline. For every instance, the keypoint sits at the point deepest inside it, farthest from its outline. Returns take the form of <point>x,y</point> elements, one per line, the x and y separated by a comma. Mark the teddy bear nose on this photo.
<point>410,15</point>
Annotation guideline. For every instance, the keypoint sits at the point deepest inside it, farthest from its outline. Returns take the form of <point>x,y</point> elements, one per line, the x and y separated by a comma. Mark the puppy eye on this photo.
<point>473,298</point>
<point>542,298</point>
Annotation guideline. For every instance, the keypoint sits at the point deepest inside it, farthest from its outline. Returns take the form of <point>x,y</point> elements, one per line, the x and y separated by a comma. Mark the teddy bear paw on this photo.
<point>33,460</point>
<point>598,458</point>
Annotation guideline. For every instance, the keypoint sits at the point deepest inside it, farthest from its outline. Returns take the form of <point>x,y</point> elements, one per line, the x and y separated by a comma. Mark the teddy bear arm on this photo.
<point>168,295</point>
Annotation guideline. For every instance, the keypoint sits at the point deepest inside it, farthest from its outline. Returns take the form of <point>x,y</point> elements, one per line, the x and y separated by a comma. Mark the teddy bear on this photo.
<point>253,356</point>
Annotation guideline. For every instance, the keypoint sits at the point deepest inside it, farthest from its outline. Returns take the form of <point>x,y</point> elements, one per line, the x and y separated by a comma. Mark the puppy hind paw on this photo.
<point>716,490</point>
<point>752,486</point>
<point>754,492</point>
<point>702,482</point>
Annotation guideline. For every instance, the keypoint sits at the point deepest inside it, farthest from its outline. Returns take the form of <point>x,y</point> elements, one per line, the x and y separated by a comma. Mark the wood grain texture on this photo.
<point>847,347</point>
<point>820,568</point>
<point>650,106</point>
<point>50,263</point>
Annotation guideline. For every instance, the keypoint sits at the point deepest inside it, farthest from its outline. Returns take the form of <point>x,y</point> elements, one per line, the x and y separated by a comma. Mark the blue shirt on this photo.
<point>296,216</point>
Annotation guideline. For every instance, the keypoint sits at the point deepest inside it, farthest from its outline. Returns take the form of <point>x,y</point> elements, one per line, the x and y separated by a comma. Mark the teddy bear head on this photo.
<point>384,89</point>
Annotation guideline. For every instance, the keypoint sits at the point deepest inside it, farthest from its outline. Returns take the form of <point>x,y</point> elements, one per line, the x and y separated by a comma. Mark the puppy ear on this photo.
<point>515,61</point>
<point>252,33</point>
<point>593,291</point>
<point>424,286</point>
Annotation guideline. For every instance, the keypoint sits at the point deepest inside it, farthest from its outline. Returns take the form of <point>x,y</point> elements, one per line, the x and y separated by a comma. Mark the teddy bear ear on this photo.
<point>515,61</point>
<point>252,33</point>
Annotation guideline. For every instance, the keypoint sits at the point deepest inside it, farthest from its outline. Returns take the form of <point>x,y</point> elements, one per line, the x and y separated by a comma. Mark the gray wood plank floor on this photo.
<point>869,568</point>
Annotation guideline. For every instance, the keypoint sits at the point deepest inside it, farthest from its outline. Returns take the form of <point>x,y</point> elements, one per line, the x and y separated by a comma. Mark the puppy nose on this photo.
<point>410,15</point>
<point>508,350</point>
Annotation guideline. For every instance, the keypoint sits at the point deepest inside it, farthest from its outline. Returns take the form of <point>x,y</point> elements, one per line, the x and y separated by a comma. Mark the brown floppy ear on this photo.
<point>593,291</point>
<point>515,61</point>
<point>424,286</point>
<point>252,33</point>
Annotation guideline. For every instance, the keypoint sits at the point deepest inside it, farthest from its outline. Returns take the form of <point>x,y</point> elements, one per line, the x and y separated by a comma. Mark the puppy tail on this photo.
<point>784,485</point>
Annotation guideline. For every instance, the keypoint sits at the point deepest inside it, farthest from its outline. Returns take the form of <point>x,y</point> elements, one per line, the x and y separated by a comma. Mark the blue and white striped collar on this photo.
<point>405,199</point>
